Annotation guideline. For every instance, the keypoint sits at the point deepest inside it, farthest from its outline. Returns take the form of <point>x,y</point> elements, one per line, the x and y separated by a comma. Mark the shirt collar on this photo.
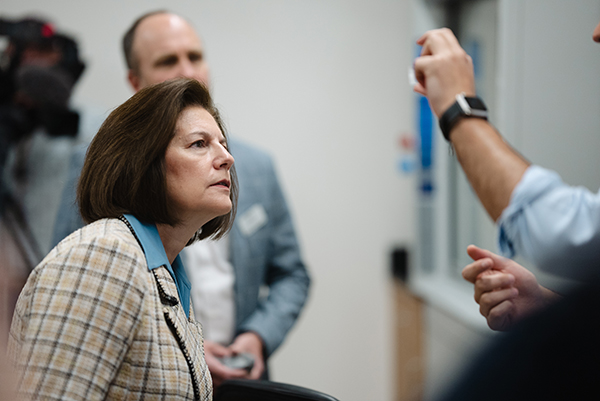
<point>156,257</point>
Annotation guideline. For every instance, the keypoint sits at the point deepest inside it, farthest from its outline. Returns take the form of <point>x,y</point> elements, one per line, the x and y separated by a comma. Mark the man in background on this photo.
<point>248,289</point>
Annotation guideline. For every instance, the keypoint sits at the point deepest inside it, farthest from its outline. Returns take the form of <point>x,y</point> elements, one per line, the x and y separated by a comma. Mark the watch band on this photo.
<point>463,107</point>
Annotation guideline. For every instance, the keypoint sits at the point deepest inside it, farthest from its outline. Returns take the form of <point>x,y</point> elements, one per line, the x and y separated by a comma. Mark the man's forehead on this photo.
<point>166,32</point>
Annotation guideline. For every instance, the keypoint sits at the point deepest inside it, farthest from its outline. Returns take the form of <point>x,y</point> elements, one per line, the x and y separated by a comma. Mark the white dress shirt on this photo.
<point>212,277</point>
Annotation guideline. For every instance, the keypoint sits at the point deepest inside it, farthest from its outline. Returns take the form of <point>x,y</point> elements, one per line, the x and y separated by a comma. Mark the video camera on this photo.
<point>38,70</point>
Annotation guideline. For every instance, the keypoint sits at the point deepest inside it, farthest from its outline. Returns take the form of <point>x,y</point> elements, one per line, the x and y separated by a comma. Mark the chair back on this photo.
<point>264,390</point>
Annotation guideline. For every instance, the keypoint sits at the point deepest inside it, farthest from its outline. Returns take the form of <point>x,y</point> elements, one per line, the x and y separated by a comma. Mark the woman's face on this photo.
<point>197,164</point>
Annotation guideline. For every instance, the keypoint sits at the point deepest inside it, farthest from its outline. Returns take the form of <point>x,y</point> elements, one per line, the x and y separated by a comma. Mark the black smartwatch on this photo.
<point>463,107</point>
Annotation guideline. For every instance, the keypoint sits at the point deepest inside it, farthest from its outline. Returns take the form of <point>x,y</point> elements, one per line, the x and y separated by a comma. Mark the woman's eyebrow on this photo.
<point>198,133</point>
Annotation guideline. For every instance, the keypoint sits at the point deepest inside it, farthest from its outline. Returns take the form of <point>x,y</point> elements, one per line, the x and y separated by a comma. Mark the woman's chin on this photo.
<point>222,209</point>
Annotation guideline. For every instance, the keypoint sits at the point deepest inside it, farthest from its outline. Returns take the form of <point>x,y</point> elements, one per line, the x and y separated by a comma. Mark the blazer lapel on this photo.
<point>188,332</point>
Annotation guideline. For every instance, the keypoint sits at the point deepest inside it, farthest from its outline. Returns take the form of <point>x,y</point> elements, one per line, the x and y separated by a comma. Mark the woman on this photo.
<point>107,314</point>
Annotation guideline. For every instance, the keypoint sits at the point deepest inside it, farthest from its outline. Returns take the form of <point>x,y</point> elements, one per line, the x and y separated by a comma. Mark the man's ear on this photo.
<point>134,80</point>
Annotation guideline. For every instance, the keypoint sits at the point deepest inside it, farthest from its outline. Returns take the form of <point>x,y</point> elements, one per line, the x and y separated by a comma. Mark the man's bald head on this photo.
<point>161,46</point>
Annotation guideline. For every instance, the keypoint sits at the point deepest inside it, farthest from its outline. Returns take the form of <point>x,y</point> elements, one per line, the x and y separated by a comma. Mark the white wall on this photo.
<point>322,85</point>
<point>557,115</point>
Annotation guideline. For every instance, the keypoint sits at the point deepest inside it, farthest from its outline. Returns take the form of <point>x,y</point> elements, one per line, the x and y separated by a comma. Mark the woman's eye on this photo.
<point>199,144</point>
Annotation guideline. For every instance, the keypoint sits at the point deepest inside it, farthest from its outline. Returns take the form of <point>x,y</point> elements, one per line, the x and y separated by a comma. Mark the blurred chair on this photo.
<point>264,390</point>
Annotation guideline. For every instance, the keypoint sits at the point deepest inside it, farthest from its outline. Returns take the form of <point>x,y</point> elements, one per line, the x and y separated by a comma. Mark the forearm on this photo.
<point>276,314</point>
<point>492,167</point>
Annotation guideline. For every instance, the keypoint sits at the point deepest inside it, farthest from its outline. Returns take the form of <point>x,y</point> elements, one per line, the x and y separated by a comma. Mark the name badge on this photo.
<point>252,219</point>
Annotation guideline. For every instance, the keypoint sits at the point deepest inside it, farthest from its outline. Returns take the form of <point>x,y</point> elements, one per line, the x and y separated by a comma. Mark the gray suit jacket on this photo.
<point>264,249</point>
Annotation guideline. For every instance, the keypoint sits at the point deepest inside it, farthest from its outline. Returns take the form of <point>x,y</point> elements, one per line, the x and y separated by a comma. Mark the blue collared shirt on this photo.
<point>156,256</point>
<point>552,225</point>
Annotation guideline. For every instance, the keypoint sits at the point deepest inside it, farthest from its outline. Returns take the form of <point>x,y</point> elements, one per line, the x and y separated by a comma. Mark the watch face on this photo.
<point>476,103</point>
<point>463,107</point>
<point>476,107</point>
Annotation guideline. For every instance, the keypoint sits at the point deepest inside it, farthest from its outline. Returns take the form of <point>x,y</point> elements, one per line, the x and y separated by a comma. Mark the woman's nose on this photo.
<point>224,159</point>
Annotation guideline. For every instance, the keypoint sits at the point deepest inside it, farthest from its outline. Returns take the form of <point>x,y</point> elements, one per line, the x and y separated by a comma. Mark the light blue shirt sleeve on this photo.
<point>552,225</point>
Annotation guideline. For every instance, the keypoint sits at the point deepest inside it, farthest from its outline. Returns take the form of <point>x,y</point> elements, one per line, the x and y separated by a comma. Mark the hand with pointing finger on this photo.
<point>505,291</point>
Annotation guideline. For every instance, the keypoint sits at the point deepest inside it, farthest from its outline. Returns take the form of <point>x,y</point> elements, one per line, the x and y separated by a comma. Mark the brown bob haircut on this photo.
<point>124,169</point>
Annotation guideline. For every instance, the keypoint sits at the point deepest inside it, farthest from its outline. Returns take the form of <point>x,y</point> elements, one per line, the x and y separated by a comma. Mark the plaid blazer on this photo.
<point>94,323</point>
